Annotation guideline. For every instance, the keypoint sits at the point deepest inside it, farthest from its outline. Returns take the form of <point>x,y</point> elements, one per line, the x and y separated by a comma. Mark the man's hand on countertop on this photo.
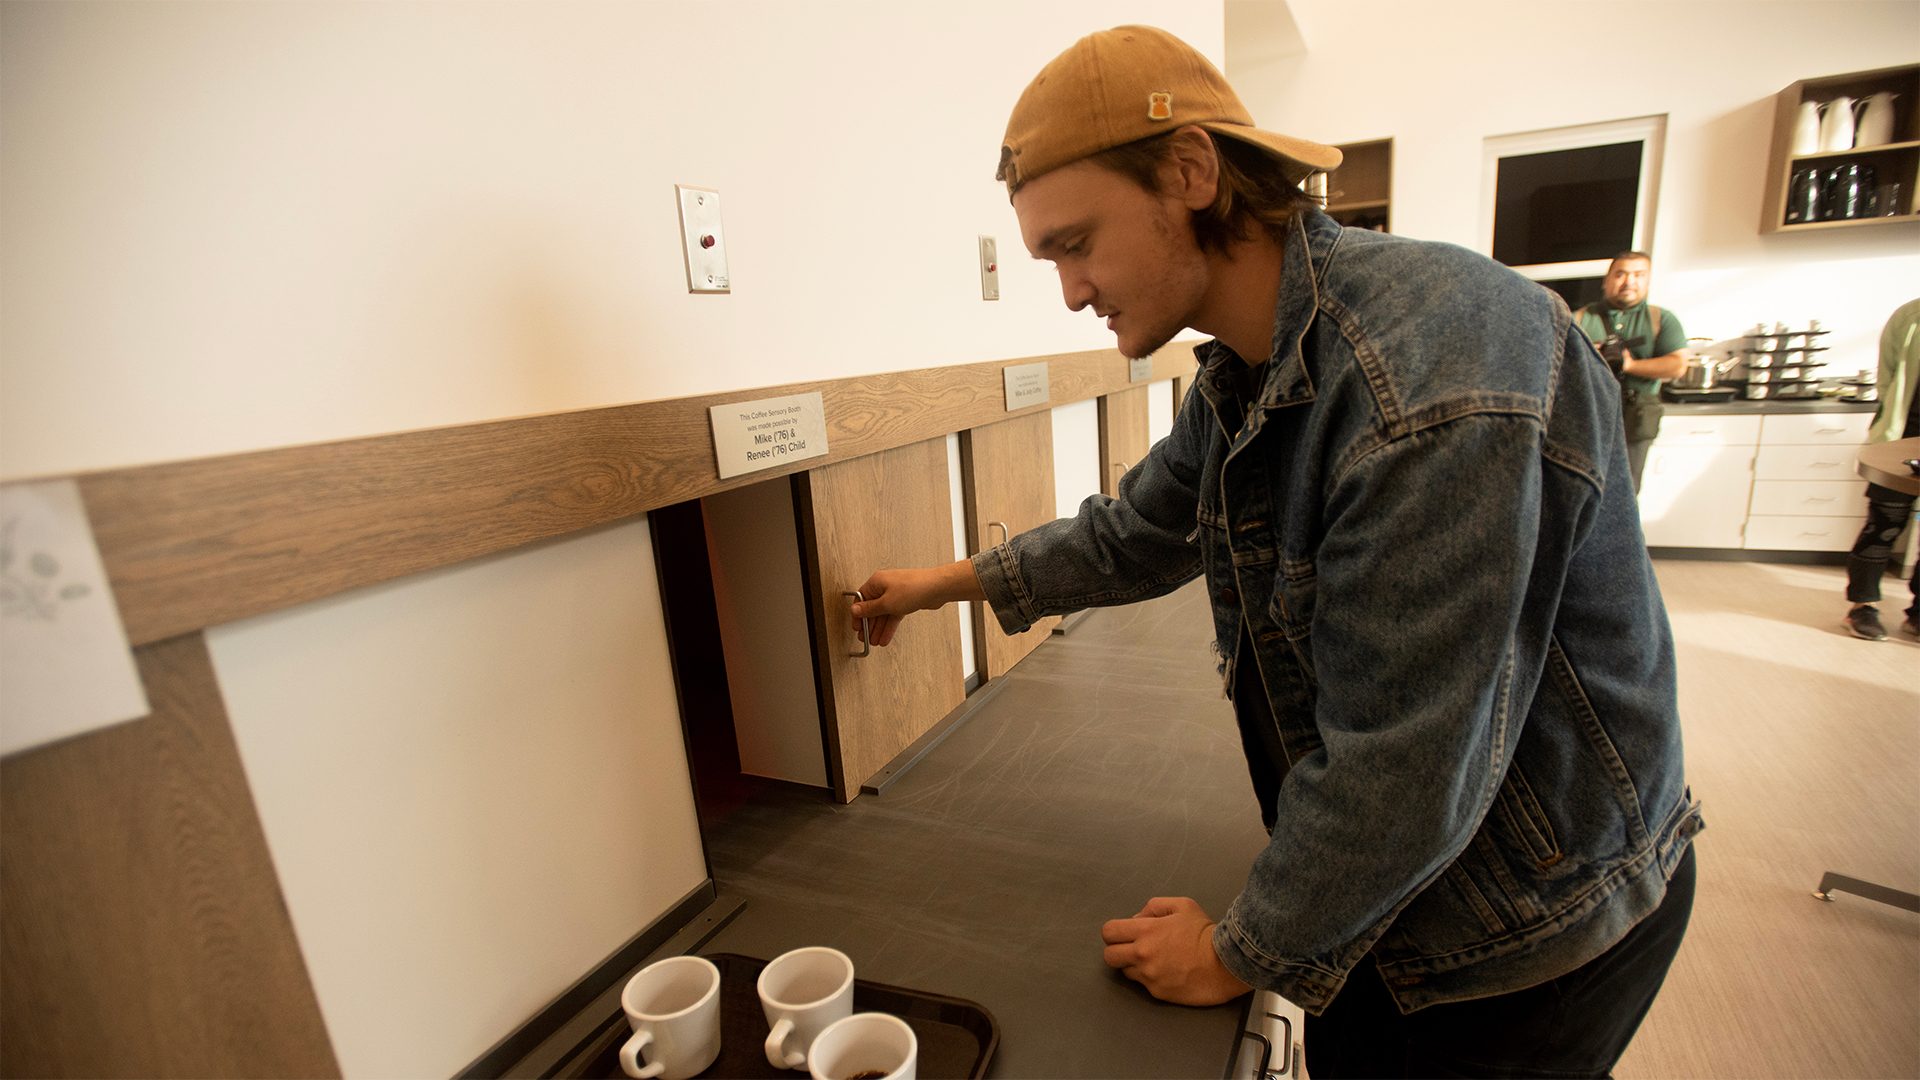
<point>1168,948</point>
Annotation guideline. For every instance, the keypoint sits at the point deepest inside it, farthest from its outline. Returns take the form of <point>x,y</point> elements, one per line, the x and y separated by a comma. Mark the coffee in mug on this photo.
<point>865,1046</point>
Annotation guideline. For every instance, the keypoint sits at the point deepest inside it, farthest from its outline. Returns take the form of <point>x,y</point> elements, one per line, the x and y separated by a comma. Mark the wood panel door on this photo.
<point>1006,474</point>
<point>1123,435</point>
<point>890,509</point>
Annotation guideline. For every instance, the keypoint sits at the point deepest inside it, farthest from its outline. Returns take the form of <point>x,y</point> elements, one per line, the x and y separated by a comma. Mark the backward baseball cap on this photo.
<point>1130,83</point>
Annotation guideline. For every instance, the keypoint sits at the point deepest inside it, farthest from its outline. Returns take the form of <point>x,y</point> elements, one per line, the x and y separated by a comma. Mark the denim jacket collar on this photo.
<point>1310,241</point>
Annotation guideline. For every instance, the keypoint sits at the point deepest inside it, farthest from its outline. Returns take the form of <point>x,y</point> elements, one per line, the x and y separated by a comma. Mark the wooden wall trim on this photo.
<point>198,543</point>
<point>144,932</point>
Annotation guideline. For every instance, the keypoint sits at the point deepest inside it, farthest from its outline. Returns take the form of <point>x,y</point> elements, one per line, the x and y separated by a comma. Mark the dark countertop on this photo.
<point>1107,771</point>
<point>1743,407</point>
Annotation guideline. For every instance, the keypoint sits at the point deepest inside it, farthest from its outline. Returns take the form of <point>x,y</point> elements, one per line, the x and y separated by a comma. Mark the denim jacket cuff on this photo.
<point>1307,987</point>
<point>1000,580</point>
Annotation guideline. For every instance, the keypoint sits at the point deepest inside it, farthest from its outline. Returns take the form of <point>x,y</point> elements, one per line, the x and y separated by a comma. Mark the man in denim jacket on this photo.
<point>1403,475</point>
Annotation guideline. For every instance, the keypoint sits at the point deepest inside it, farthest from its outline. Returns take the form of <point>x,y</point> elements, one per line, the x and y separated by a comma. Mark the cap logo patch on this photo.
<point>1159,106</point>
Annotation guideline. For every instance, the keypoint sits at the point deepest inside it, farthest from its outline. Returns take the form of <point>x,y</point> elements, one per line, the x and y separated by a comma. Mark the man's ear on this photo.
<point>1191,170</point>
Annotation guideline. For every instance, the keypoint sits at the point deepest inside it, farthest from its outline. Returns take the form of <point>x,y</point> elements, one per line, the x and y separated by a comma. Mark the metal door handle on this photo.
<point>1287,1064</point>
<point>1264,1070</point>
<point>866,635</point>
<point>1002,526</point>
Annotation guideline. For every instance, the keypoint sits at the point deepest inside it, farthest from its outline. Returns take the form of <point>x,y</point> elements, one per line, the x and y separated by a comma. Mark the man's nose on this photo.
<point>1075,289</point>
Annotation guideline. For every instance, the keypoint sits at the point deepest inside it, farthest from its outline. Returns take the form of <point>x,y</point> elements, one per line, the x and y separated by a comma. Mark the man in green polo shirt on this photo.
<point>1643,345</point>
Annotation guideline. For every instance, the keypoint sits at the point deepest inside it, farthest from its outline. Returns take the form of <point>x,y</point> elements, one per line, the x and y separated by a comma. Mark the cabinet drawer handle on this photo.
<point>866,634</point>
<point>1697,431</point>
<point>1827,464</point>
<point>1831,431</point>
<point>992,525</point>
<point>1817,498</point>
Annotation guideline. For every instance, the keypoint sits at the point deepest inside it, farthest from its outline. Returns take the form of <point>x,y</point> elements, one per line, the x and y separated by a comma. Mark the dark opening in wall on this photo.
<point>1566,205</point>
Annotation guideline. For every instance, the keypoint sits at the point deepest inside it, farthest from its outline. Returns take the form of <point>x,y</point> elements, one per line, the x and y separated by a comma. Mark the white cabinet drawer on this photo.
<point>1711,431</point>
<point>1803,533</point>
<point>1805,462</point>
<point>1819,429</point>
<point>1810,498</point>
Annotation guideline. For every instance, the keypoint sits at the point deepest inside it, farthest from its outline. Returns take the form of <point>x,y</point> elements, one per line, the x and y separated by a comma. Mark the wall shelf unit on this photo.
<point>1897,162</point>
<point>1360,191</point>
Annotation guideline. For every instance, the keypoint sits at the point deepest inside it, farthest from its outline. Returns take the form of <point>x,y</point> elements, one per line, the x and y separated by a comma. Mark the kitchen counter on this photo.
<point>1743,407</point>
<point>1107,771</point>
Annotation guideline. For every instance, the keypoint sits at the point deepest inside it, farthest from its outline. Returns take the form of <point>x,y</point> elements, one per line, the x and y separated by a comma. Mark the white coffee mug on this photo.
<point>674,1007</point>
<point>802,992</point>
<point>867,1046</point>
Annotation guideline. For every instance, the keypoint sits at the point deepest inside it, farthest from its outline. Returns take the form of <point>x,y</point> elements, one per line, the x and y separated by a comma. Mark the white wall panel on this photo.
<point>1159,410</point>
<point>473,784</point>
<point>1076,455</point>
<point>761,599</point>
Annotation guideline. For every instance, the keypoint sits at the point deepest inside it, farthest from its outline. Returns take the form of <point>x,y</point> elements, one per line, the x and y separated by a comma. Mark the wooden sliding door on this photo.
<point>890,509</point>
<point>1006,472</point>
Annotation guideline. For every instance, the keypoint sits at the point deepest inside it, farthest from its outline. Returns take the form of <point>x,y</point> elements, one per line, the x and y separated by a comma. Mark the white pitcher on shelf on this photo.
<point>1806,130</point>
<point>1874,126</point>
<point>1836,124</point>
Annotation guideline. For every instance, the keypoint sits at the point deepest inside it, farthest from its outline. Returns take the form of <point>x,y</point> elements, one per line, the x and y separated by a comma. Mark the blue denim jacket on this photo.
<point>1428,525</point>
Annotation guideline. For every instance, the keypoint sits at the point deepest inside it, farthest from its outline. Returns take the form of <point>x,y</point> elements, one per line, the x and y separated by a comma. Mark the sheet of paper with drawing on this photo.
<point>65,667</point>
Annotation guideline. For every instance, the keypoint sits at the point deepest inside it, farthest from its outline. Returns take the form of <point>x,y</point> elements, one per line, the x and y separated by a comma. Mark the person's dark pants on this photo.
<point>1574,1026</point>
<point>1887,512</point>
<point>1637,458</point>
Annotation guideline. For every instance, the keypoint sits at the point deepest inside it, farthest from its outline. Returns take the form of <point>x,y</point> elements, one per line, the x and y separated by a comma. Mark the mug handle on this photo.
<point>630,1057</point>
<point>776,1051</point>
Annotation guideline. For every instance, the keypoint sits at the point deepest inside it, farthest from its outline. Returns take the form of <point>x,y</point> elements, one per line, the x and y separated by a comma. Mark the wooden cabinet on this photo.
<point>1360,191</point>
<point>1893,163</point>
<point>888,509</point>
<point>1006,477</point>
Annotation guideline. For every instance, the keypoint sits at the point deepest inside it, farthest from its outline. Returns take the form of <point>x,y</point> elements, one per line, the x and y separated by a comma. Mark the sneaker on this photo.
<point>1910,627</point>
<point>1864,621</point>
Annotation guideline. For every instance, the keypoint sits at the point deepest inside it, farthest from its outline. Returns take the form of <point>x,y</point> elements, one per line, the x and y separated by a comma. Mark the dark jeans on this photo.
<point>1574,1026</point>
<point>1887,512</point>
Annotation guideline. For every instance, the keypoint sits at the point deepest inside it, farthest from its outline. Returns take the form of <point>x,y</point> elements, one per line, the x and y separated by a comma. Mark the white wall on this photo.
<point>1440,78</point>
<point>473,785</point>
<point>234,226</point>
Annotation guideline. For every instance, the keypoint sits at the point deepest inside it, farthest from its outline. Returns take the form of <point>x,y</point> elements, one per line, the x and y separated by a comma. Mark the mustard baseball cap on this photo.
<point>1131,83</point>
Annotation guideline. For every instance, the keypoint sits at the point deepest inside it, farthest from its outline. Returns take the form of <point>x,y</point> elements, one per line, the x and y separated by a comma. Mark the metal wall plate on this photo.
<point>989,270</point>
<point>703,240</point>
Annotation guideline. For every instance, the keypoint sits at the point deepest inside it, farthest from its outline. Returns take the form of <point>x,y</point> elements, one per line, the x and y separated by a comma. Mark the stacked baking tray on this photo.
<point>1781,364</point>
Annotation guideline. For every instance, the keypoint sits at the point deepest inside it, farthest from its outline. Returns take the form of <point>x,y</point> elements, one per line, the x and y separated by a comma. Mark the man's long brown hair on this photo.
<point>1252,194</point>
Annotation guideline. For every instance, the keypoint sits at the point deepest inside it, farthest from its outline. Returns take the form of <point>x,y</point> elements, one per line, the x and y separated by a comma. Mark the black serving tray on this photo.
<point>957,1037</point>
